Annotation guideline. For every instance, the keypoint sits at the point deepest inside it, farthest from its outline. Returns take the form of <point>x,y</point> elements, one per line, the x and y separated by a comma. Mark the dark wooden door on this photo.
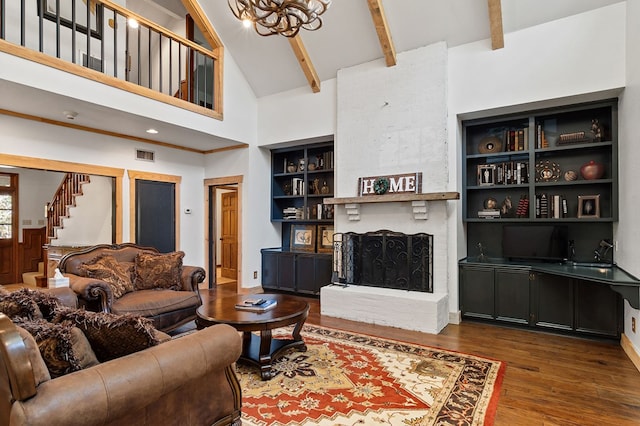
<point>229,235</point>
<point>156,215</point>
<point>8,227</point>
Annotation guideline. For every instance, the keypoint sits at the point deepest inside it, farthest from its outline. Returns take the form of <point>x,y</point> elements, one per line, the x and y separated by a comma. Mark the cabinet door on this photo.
<point>286,271</point>
<point>512,296</point>
<point>552,303</point>
<point>312,272</point>
<point>477,292</point>
<point>269,270</point>
<point>598,309</point>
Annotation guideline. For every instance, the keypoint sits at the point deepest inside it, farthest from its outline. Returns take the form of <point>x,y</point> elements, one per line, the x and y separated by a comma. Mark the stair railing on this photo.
<point>65,197</point>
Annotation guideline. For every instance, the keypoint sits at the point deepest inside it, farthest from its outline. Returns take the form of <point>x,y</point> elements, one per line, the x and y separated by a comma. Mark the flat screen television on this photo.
<point>535,242</point>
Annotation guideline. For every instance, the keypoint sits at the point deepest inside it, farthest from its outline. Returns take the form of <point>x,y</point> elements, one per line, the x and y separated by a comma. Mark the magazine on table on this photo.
<point>256,304</point>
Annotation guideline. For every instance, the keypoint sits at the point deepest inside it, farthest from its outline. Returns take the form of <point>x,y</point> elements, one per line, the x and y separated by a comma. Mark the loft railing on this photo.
<point>107,38</point>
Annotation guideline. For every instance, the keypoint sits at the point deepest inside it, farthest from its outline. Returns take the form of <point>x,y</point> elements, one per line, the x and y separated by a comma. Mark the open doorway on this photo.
<point>223,199</point>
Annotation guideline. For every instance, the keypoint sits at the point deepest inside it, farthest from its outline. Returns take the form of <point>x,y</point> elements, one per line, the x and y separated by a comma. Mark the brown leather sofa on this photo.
<point>185,381</point>
<point>168,309</point>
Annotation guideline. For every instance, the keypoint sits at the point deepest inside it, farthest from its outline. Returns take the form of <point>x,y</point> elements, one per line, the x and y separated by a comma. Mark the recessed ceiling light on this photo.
<point>152,131</point>
<point>70,114</point>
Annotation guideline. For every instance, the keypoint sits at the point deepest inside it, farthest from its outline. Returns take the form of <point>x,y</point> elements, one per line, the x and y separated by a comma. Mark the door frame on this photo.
<point>135,175</point>
<point>210,223</point>
<point>16,263</point>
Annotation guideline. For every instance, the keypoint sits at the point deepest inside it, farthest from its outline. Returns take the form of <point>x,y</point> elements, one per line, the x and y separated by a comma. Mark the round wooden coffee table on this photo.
<point>258,350</point>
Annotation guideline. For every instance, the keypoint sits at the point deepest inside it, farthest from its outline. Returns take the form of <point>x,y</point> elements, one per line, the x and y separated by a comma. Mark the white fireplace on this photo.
<point>394,121</point>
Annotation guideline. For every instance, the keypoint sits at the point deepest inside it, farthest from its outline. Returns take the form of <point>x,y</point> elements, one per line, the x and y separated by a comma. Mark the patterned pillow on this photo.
<point>64,348</point>
<point>156,270</point>
<point>108,269</point>
<point>19,303</point>
<point>111,336</point>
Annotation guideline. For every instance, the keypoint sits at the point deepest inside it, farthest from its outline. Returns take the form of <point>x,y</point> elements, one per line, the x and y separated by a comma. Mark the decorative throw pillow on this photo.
<point>108,269</point>
<point>40,370</point>
<point>47,303</point>
<point>111,336</point>
<point>19,303</point>
<point>156,270</point>
<point>63,347</point>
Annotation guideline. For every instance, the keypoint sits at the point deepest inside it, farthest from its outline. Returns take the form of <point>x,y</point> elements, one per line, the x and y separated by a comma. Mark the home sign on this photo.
<point>390,184</point>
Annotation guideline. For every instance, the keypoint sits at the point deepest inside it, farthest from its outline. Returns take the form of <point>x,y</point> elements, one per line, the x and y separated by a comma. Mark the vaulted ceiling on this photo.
<point>348,37</point>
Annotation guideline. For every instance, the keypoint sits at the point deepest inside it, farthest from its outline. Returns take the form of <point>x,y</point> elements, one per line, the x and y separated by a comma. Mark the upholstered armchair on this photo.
<point>130,279</point>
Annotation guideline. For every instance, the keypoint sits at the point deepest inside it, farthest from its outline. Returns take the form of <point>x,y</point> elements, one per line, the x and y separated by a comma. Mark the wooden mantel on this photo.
<point>418,202</point>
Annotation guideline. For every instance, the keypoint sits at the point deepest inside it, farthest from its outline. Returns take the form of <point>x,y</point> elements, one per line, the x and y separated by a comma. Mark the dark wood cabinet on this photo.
<point>295,272</point>
<point>515,294</point>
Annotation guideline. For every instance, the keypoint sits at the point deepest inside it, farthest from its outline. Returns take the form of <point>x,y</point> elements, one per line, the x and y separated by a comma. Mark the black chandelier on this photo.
<point>285,17</point>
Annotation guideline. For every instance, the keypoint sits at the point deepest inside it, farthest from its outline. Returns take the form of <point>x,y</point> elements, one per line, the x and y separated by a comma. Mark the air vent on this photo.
<point>145,155</point>
<point>94,63</point>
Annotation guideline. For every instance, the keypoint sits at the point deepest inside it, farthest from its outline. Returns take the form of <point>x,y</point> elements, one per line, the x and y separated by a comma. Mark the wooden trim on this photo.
<point>64,166</point>
<point>305,62</point>
<point>205,26</point>
<point>382,29</point>
<point>392,198</point>
<point>495,23</point>
<point>99,131</point>
<point>159,177</point>
<point>630,350</point>
<point>223,181</point>
<point>227,148</point>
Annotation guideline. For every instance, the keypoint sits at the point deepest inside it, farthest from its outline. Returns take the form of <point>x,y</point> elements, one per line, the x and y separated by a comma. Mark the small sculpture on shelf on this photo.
<point>325,188</point>
<point>291,168</point>
<point>596,129</point>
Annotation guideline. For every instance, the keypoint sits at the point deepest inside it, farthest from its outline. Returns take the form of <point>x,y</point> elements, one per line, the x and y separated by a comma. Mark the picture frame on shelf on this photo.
<point>303,238</point>
<point>325,238</point>
<point>589,206</point>
<point>486,174</point>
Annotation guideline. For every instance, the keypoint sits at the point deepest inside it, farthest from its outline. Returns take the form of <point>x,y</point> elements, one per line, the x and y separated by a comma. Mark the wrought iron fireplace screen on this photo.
<point>384,259</point>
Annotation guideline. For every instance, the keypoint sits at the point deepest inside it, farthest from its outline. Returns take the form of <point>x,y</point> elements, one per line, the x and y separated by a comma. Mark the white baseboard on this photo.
<point>630,350</point>
<point>455,317</point>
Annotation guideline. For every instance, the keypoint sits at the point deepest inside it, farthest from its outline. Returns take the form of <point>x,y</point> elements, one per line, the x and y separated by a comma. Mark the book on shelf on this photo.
<point>256,304</point>
<point>488,214</point>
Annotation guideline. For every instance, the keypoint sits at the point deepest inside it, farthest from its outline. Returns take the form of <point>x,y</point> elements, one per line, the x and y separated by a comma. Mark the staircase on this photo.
<point>65,197</point>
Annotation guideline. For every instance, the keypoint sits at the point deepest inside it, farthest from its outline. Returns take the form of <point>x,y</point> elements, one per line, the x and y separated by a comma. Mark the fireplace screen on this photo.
<point>384,259</point>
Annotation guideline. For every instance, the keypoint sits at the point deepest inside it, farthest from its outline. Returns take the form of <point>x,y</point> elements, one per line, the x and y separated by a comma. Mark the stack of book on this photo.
<point>489,214</point>
<point>553,207</point>
<point>256,304</point>
<point>292,213</point>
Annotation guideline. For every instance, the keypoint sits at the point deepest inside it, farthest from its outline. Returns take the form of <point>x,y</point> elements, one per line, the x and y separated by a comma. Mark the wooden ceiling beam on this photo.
<point>495,22</point>
<point>382,28</point>
<point>305,62</point>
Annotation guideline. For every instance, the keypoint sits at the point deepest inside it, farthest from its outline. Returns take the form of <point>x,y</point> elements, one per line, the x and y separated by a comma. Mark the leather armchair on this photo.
<point>186,381</point>
<point>168,309</point>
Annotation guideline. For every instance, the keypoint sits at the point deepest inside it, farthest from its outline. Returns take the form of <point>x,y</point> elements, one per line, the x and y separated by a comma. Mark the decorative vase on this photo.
<point>592,170</point>
<point>570,175</point>
<point>291,168</point>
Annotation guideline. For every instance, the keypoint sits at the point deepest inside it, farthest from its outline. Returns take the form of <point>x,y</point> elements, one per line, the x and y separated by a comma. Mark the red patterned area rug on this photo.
<point>346,378</point>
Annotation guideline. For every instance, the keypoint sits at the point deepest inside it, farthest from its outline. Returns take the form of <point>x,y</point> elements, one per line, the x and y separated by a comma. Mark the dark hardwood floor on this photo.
<point>549,379</point>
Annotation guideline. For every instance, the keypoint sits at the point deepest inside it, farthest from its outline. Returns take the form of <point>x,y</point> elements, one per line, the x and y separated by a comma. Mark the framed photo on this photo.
<point>325,238</point>
<point>486,174</point>
<point>303,238</point>
<point>66,14</point>
<point>589,206</point>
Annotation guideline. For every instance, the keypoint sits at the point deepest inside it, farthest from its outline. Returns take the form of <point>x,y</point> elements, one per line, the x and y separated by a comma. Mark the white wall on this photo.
<point>89,222</point>
<point>33,139</point>
<point>628,232</point>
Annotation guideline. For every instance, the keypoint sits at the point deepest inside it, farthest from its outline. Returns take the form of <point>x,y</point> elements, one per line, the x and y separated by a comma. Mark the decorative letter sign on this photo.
<point>391,184</point>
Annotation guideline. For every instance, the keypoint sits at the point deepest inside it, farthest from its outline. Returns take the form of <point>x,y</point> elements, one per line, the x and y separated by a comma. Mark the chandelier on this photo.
<point>285,17</point>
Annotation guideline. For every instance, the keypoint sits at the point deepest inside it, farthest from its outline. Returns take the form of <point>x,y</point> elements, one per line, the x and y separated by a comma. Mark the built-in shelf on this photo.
<point>418,202</point>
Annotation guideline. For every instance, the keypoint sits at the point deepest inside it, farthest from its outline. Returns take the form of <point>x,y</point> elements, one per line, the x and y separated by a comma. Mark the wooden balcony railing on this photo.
<point>104,41</point>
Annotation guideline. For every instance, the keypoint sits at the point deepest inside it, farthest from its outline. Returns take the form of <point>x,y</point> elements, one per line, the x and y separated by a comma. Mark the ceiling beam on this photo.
<point>495,22</point>
<point>382,28</point>
<point>305,62</point>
